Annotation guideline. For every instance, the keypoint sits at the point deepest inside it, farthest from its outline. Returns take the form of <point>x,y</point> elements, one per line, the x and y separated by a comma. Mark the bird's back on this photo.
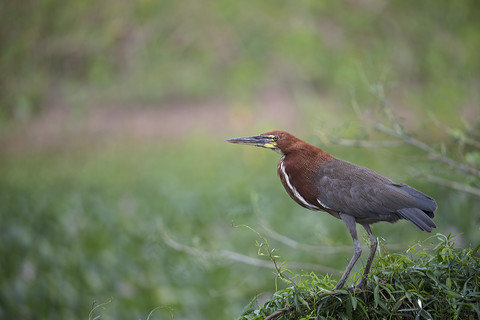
<point>369,196</point>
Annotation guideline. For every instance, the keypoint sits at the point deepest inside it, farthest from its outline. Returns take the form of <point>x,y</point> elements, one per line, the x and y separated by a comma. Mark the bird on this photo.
<point>319,181</point>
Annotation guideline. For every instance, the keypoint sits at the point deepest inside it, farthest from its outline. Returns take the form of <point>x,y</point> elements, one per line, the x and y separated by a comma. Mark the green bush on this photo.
<point>438,283</point>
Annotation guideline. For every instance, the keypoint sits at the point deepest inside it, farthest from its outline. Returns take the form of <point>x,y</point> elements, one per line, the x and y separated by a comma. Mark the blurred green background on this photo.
<point>116,184</point>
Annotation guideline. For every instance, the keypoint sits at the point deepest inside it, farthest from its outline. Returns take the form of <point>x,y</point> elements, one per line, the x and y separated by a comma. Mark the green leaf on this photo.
<point>397,304</point>
<point>389,287</point>
<point>453,294</point>
<point>354,302</point>
<point>448,283</point>
<point>376,296</point>
<point>474,251</point>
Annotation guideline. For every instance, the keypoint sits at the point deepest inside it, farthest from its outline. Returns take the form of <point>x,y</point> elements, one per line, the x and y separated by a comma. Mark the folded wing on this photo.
<point>370,197</point>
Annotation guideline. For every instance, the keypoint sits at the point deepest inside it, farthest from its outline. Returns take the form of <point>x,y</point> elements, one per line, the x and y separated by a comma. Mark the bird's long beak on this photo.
<point>258,141</point>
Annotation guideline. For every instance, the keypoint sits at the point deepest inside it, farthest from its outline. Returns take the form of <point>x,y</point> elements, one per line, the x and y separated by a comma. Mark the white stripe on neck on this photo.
<point>295,192</point>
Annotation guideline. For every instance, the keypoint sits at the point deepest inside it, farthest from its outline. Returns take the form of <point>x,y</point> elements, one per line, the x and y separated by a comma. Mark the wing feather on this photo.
<point>371,197</point>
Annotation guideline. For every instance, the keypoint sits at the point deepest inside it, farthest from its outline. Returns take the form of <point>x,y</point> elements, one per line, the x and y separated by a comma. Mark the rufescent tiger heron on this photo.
<point>318,181</point>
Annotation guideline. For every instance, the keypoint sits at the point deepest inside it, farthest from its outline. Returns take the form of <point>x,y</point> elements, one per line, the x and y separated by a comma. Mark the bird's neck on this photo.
<point>305,153</point>
<point>296,170</point>
<point>302,161</point>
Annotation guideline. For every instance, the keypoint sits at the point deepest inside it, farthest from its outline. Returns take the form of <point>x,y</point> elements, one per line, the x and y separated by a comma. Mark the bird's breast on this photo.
<point>295,184</point>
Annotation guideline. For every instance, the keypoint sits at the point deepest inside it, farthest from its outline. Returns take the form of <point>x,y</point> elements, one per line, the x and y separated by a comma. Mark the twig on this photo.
<point>101,305</point>
<point>387,109</point>
<point>360,143</point>
<point>454,185</point>
<point>433,154</point>
<point>165,308</point>
<point>399,132</point>
<point>408,139</point>
<point>301,246</point>
<point>277,313</point>
<point>314,249</point>
<point>235,256</point>
<point>455,134</point>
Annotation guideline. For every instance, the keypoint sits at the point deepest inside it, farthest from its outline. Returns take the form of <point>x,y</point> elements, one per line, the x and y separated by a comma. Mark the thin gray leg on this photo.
<point>373,249</point>
<point>350,223</point>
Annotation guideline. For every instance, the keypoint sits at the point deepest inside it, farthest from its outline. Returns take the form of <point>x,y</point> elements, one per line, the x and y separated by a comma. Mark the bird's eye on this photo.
<point>275,138</point>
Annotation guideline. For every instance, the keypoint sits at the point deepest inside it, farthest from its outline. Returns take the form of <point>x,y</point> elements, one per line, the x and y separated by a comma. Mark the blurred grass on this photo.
<point>83,226</point>
<point>83,229</point>
<point>82,208</point>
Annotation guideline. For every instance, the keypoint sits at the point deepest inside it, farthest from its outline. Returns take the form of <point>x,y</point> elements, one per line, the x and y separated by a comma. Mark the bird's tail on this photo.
<point>422,201</point>
<point>418,217</point>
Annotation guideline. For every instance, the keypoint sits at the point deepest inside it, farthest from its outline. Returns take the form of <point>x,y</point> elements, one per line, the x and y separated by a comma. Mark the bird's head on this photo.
<point>278,141</point>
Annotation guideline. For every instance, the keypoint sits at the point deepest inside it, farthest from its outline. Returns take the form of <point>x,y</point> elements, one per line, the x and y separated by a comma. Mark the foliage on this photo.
<point>146,51</point>
<point>438,283</point>
<point>82,228</point>
<point>141,227</point>
<point>83,224</point>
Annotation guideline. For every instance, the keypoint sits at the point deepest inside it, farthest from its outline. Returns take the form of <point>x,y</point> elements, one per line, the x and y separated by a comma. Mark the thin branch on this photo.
<point>454,185</point>
<point>304,247</point>
<point>472,131</point>
<point>399,132</point>
<point>277,313</point>
<point>165,308</point>
<point>361,143</point>
<point>316,249</point>
<point>433,154</point>
<point>238,257</point>
<point>387,109</point>
<point>101,305</point>
<point>456,134</point>
<point>408,139</point>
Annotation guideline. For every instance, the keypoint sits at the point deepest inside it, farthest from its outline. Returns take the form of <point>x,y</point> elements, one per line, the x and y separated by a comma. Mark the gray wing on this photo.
<point>370,197</point>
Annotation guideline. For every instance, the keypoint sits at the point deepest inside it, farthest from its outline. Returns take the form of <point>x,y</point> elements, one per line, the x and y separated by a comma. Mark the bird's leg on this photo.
<point>373,249</point>
<point>350,223</point>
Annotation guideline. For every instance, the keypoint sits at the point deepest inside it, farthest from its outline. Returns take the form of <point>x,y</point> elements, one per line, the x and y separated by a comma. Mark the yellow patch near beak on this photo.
<point>271,145</point>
